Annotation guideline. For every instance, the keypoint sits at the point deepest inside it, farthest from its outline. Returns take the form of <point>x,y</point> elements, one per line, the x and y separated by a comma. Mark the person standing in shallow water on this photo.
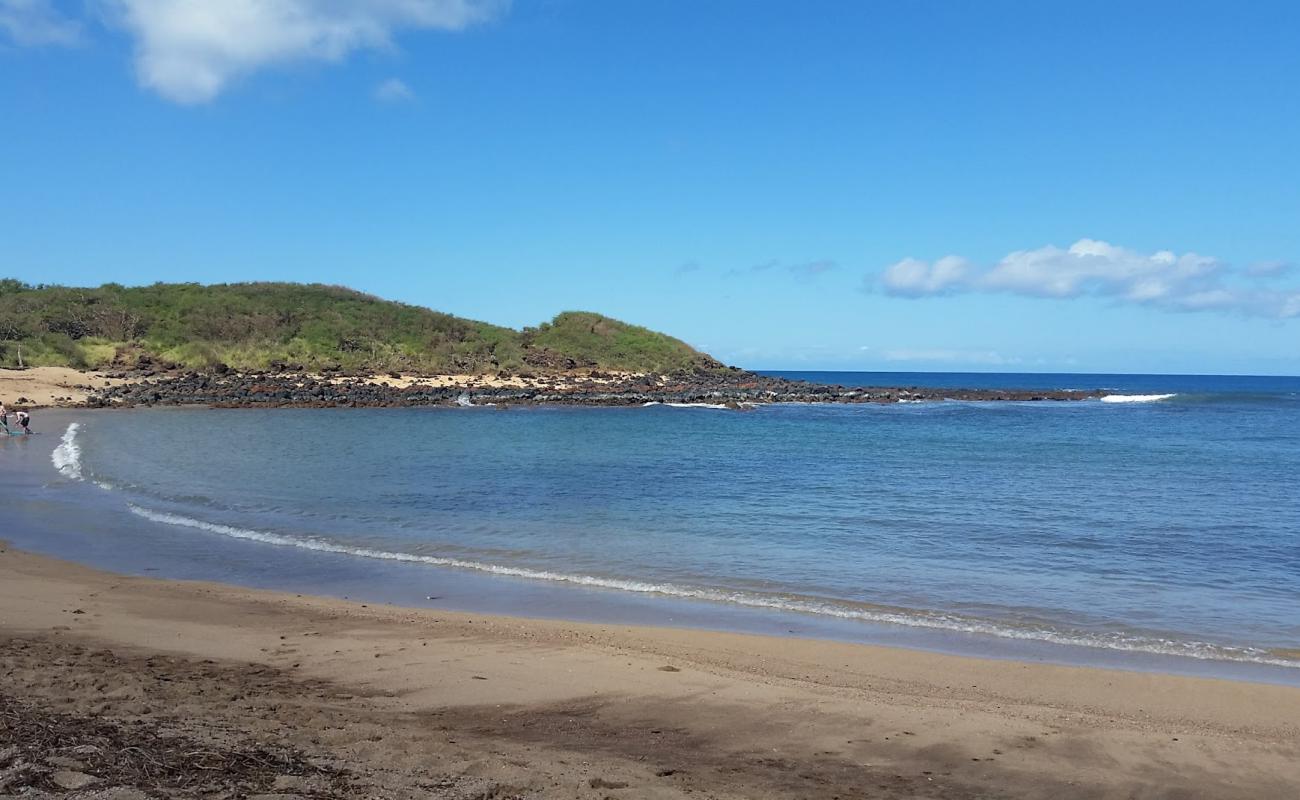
<point>24,421</point>
<point>4,417</point>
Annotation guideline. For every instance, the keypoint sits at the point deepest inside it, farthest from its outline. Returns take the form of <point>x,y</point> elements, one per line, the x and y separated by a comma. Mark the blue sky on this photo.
<point>1007,186</point>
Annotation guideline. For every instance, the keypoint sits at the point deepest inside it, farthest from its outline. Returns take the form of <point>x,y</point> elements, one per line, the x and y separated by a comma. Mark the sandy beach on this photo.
<point>41,387</point>
<point>197,689</point>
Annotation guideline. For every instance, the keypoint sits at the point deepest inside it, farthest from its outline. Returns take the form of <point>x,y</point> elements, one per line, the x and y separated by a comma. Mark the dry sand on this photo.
<point>40,387</point>
<point>319,697</point>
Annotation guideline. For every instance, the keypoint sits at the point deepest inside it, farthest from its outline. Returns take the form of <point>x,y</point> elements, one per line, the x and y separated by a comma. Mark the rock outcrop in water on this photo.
<point>735,389</point>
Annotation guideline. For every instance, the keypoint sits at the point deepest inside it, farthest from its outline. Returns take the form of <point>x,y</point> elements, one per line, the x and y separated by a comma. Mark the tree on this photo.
<point>14,327</point>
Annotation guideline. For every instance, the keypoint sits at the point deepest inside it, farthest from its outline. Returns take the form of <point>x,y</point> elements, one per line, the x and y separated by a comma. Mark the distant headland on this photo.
<point>305,327</point>
<point>311,345</point>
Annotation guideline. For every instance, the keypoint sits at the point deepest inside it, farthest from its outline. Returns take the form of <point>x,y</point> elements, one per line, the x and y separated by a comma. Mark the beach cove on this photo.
<point>491,400</point>
<point>504,631</point>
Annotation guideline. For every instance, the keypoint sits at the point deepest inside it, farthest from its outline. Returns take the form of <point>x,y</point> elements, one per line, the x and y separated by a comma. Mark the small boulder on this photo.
<point>72,780</point>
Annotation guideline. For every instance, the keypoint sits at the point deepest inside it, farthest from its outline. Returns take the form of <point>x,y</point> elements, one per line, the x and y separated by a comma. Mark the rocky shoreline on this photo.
<point>735,389</point>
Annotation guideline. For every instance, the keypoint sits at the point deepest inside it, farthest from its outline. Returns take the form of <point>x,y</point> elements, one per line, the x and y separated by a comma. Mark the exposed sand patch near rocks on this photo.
<point>41,387</point>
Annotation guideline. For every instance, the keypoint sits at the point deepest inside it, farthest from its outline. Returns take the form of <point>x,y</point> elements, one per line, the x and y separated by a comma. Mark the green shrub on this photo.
<point>252,325</point>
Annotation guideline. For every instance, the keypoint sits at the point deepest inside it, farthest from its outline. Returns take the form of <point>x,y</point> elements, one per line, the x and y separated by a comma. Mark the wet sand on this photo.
<point>308,696</point>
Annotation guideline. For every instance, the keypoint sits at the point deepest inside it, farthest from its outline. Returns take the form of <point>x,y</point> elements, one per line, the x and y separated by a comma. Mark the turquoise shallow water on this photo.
<point>1163,521</point>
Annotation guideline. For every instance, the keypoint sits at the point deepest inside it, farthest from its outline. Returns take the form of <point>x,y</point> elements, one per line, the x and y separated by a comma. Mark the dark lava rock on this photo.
<point>733,389</point>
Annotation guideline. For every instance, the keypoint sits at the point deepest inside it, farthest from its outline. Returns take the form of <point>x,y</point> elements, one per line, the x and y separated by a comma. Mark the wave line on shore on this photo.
<point>932,620</point>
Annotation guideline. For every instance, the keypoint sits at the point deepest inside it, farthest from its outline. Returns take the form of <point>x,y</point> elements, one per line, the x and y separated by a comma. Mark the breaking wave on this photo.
<point>67,456</point>
<point>1136,398</point>
<point>779,602</point>
<point>717,406</point>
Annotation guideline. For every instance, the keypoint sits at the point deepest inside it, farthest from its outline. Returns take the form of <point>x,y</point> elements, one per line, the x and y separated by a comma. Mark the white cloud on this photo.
<point>190,50</point>
<point>1090,266</point>
<point>913,278</point>
<point>33,23</point>
<point>1187,282</point>
<point>393,90</point>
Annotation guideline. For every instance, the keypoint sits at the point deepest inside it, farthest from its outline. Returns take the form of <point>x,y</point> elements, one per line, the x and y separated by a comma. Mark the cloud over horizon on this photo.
<point>951,356</point>
<point>810,270</point>
<point>1187,282</point>
<point>803,271</point>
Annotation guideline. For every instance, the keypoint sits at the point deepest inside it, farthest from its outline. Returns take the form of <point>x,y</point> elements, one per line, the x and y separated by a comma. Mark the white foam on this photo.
<point>1136,398</point>
<point>67,456</point>
<point>716,406</point>
<point>787,603</point>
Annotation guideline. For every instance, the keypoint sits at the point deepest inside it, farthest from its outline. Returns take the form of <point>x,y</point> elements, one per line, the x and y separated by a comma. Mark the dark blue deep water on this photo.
<point>1165,519</point>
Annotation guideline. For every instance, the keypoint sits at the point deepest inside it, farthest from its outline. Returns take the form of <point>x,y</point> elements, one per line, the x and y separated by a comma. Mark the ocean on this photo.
<point>1156,528</point>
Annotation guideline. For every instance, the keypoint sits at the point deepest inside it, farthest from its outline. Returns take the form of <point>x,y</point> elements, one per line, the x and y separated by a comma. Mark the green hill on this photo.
<point>255,325</point>
<point>584,336</point>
